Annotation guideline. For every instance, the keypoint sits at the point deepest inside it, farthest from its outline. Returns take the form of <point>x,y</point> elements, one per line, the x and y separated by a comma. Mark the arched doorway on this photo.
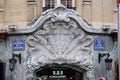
<point>60,36</point>
<point>59,72</point>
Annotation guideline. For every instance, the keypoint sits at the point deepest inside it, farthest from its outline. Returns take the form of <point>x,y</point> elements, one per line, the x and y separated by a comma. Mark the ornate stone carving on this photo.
<point>59,43</point>
<point>60,39</point>
<point>60,15</point>
<point>2,51</point>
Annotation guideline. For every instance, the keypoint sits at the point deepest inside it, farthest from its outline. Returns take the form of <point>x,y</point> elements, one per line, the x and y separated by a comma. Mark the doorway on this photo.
<point>58,73</point>
<point>2,70</point>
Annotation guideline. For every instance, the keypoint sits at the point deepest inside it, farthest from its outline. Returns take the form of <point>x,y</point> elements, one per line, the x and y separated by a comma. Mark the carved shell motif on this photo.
<point>60,41</point>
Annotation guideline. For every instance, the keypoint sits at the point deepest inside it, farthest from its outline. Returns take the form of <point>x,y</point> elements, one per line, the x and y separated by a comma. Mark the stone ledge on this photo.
<point>1,9</point>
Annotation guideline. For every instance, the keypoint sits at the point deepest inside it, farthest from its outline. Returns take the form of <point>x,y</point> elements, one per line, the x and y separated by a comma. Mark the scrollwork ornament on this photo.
<point>60,43</point>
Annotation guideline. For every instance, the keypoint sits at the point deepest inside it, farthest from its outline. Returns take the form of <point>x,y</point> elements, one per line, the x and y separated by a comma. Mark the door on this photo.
<point>58,73</point>
<point>2,71</point>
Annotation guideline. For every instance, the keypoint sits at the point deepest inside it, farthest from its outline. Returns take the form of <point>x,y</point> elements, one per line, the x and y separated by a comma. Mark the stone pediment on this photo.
<point>59,39</point>
<point>58,14</point>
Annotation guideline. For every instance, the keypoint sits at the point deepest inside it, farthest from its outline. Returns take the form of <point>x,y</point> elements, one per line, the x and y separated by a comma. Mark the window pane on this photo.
<point>52,3</point>
<point>118,1</point>
<point>64,2</point>
<point>69,3</point>
<point>47,3</point>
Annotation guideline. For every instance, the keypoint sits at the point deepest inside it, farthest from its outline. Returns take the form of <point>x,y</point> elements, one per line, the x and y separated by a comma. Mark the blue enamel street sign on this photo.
<point>18,44</point>
<point>99,44</point>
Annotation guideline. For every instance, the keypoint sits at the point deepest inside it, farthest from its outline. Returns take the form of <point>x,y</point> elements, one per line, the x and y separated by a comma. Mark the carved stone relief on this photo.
<point>59,40</point>
<point>59,43</point>
<point>2,52</point>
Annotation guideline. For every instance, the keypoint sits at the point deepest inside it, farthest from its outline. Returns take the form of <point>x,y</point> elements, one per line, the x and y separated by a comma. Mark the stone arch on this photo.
<point>60,13</point>
<point>69,67</point>
<point>62,40</point>
<point>74,48</point>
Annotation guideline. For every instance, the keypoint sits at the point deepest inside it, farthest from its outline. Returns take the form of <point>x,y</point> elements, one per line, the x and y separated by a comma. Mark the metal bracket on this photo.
<point>18,56</point>
<point>100,55</point>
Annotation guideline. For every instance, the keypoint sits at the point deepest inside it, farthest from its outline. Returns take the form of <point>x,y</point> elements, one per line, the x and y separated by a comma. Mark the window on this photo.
<point>118,1</point>
<point>68,3</point>
<point>48,4</point>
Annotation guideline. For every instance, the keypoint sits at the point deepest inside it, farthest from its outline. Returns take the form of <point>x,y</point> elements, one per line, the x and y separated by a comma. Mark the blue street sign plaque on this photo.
<point>18,44</point>
<point>99,44</point>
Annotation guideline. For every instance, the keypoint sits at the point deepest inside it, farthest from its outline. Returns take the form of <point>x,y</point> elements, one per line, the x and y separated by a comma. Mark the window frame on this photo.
<point>70,4</point>
<point>48,4</point>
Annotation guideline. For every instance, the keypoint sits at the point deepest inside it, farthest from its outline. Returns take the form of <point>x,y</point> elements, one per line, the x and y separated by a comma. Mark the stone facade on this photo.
<point>21,13</point>
<point>60,37</point>
<point>61,43</point>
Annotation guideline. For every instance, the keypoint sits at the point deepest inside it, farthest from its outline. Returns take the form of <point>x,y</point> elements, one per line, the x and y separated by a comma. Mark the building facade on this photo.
<point>98,13</point>
<point>58,39</point>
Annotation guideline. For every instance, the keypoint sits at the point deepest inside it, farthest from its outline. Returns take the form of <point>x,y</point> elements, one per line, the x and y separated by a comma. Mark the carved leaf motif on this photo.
<point>59,43</point>
<point>59,40</point>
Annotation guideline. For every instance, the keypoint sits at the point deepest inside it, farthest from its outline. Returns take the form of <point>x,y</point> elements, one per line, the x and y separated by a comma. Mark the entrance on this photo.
<point>2,71</point>
<point>58,73</point>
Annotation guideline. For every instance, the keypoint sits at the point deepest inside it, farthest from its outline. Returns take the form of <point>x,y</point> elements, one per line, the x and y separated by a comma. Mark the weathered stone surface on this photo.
<point>60,40</point>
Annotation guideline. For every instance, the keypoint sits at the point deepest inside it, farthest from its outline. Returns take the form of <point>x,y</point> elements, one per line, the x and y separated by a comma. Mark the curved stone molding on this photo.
<point>60,13</point>
<point>59,42</point>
